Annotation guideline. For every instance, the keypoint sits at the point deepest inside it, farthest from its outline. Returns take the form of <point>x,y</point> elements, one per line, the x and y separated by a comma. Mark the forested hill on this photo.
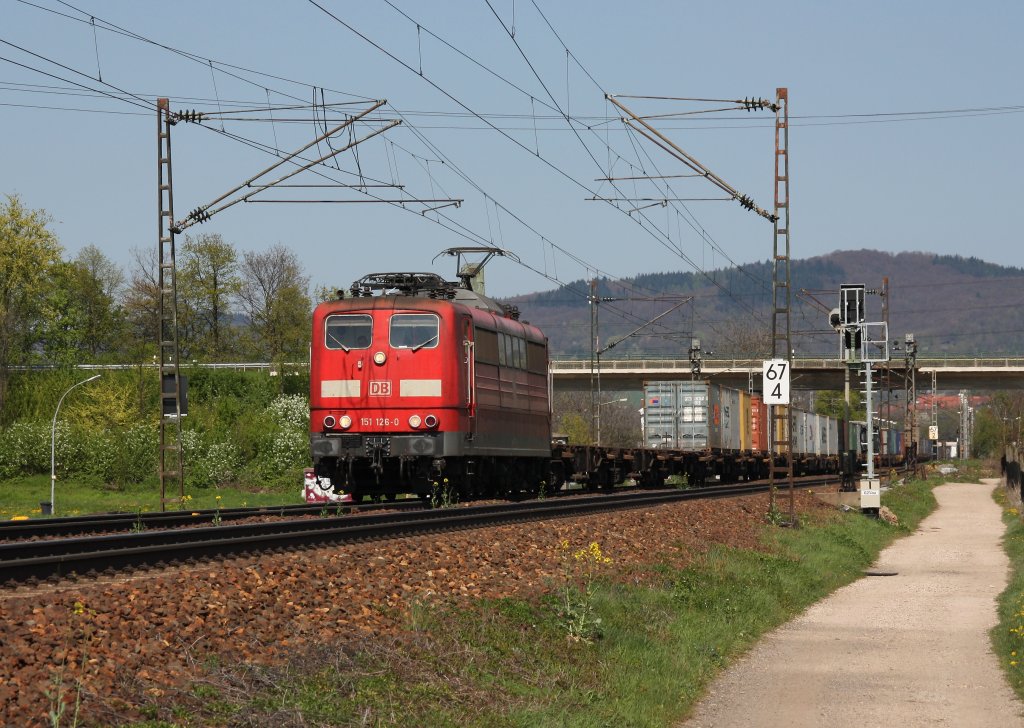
<point>953,305</point>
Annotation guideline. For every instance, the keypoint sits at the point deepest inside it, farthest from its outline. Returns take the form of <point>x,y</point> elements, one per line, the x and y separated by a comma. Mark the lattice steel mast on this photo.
<point>781,416</point>
<point>171,460</point>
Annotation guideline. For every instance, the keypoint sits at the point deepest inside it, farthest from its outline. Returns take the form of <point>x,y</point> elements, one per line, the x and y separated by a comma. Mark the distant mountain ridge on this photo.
<point>952,304</point>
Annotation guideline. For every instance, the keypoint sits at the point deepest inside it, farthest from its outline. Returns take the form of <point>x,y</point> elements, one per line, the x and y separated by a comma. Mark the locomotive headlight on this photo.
<point>345,422</point>
<point>430,421</point>
<point>330,422</point>
<point>379,358</point>
<point>415,421</point>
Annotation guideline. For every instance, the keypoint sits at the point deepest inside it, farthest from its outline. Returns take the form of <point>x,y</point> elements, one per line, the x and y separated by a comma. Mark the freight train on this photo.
<point>419,385</point>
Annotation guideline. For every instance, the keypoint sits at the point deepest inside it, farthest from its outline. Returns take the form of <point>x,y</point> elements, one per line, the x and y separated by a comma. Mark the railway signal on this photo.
<point>863,343</point>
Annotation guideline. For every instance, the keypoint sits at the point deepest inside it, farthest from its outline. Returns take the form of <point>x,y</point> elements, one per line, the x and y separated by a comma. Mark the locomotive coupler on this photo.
<point>438,465</point>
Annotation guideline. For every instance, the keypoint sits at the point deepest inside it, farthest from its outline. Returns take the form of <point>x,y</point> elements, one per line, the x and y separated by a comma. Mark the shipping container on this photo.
<point>833,445</point>
<point>660,422</point>
<point>724,418</point>
<point>699,415</point>
<point>693,415</point>
<point>746,435</point>
<point>758,423</point>
<point>893,439</point>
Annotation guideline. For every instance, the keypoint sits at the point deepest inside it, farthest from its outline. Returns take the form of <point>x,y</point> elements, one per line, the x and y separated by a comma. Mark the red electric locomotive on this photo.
<point>421,385</point>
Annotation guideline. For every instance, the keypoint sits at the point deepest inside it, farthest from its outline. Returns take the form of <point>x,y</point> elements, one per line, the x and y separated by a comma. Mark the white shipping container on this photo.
<point>724,419</point>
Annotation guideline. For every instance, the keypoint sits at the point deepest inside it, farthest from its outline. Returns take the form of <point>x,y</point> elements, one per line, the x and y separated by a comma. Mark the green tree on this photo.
<point>326,293</point>
<point>987,434</point>
<point>28,252</point>
<point>833,403</point>
<point>273,295</point>
<point>63,318</point>
<point>81,321</point>
<point>208,281</point>
<point>575,427</point>
<point>141,304</point>
<point>97,284</point>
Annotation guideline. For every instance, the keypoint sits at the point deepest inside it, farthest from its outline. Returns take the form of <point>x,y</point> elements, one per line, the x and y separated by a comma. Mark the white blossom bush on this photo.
<point>25,447</point>
<point>287,446</point>
<point>209,463</point>
<point>288,449</point>
<point>119,457</point>
<point>290,411</point>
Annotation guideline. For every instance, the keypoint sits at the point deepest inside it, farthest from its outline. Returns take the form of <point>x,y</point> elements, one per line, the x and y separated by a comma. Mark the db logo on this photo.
<point>380,389</point>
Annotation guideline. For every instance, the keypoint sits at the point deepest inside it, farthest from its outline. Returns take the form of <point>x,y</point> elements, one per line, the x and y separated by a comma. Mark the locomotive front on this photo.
<point>387,384</point>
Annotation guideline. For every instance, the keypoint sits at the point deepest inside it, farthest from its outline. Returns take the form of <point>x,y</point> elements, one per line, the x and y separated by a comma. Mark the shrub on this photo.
<point>290,410</point>
<point>122,457</point>
<point>208,385</point>
<point>208,463</point>
<point>288,449</point>
<point>25,447</point>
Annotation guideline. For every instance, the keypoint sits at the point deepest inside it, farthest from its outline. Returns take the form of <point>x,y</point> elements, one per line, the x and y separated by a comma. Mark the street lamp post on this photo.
<point>53,441</point>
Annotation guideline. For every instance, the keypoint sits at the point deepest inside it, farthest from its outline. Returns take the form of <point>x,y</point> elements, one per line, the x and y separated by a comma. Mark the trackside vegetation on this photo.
<point>246,432</point>
<point>1008,634</point>
<point>627,648</point>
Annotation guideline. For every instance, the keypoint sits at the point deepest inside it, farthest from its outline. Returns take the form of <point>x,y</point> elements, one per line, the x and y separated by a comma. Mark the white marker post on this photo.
<point>775,385</point>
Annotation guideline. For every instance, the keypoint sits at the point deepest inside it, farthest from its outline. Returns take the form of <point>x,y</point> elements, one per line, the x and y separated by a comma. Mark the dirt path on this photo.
<point>907,650</point>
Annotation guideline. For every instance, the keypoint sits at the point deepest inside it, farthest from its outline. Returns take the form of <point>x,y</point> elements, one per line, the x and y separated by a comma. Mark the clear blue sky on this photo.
<point>865,173</point>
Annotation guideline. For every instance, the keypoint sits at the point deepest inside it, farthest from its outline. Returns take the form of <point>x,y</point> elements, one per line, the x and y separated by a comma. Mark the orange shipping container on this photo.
<point>758,423</point>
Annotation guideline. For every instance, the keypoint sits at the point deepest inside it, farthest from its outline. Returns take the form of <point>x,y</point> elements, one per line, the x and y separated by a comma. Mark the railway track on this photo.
<point>113,522</point>
<point>57,558</point>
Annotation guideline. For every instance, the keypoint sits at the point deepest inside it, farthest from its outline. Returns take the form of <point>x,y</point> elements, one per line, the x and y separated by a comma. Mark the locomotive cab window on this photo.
<point>414,331</point>
<point>348,331</point>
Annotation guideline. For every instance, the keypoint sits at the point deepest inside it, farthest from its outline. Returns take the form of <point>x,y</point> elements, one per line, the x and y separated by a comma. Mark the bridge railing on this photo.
<point>654,365</point>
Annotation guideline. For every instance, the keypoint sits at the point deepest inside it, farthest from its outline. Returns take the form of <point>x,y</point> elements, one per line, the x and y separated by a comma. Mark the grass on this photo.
<point>1008,634</point>
<point>22,497</point>
<point>664,633</point>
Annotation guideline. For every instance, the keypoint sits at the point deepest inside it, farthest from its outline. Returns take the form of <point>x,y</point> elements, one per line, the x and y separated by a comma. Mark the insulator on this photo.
<point>752,104</point>
<point>199,215</point>
<point>191,116</point>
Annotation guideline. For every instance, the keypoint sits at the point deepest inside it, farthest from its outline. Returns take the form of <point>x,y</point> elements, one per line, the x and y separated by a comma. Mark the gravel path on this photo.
<point>906,650</point>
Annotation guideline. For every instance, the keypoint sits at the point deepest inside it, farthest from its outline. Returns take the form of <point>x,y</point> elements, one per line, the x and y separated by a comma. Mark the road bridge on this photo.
<point>978,373</point>
<point>952,373</point>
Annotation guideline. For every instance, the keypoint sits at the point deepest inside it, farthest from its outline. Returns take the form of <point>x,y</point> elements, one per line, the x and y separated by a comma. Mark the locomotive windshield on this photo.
<point>414,331</point>
<point>349,331</point>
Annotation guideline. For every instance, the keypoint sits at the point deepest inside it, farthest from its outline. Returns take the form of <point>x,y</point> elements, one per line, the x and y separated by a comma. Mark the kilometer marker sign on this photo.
<point>775,384</point>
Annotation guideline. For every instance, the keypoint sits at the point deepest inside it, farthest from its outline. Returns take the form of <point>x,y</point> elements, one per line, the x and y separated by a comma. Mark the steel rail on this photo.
<point>124,521</point>
<point>38,560</point>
